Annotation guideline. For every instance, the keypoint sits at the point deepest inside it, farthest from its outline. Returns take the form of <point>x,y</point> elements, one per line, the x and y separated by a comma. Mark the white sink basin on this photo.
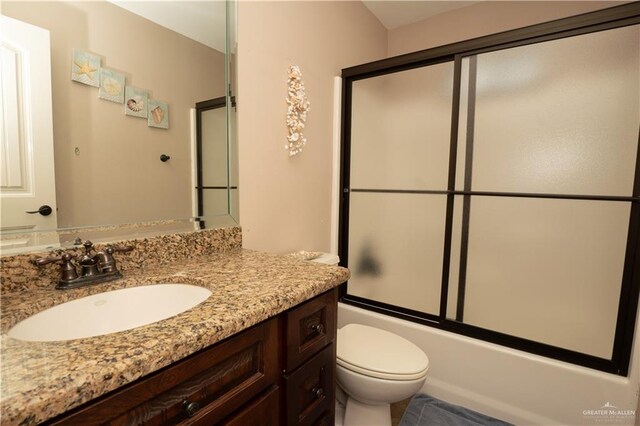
<point>109,312</point>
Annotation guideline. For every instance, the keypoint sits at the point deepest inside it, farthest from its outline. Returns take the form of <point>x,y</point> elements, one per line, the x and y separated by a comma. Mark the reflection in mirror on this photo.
<point>216,182</point>
<point>103,167</point>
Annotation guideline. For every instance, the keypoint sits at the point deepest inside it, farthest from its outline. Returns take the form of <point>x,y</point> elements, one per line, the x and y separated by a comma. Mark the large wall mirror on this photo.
<point>74,159</point>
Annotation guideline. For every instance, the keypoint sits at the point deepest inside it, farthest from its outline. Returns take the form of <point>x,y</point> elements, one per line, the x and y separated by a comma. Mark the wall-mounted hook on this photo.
<point>164,158</point>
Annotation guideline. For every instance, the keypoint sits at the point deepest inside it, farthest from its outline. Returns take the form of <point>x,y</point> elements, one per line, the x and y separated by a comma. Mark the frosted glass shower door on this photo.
<point>491,188</point>
<point>400,137</point>
<point>546,163</point>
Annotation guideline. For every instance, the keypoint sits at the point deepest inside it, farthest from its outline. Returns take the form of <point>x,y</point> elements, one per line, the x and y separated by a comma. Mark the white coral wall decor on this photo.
<point>297,108</point>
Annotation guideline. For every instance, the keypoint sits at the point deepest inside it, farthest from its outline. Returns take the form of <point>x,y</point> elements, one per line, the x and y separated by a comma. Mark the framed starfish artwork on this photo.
<point>158,114</point>
<point>85,68</point>
<point>135,102</point>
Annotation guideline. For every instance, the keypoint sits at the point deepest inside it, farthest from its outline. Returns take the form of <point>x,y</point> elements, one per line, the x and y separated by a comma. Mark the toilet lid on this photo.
<point>379,353</point>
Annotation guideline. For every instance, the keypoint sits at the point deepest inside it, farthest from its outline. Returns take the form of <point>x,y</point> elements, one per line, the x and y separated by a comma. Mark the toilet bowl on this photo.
<point>376,368</point>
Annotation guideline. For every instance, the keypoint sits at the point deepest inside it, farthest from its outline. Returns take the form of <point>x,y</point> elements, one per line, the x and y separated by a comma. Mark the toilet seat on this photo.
<point>380,375</point>
<point>379,354</point>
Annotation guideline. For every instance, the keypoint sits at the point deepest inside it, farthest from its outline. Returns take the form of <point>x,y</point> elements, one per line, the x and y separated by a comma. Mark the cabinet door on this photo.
<point>310,327</point>
<point>203,389</point>
<point>262,411</point>
<point>310,390</point>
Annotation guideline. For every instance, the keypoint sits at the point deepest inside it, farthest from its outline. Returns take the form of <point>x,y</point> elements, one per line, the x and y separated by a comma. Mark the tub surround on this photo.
<point>42,380</point>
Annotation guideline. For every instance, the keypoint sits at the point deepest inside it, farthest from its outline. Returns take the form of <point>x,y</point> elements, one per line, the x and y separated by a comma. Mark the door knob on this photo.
<point>43,210</point>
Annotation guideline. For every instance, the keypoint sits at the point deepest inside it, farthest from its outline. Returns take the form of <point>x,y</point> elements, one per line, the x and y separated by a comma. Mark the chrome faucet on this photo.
<point>95,268</point>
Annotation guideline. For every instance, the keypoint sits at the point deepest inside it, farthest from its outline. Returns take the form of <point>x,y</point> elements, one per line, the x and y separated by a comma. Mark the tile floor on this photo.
<point>397,410</point>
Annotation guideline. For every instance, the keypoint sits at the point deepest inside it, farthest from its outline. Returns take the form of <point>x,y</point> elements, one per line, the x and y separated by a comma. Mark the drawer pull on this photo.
<point>318,328</point>
<point>190,408</point>
<point>317,393</point>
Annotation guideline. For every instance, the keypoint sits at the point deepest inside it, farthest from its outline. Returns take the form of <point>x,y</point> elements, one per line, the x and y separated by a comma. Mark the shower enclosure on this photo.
<point>491,187</point>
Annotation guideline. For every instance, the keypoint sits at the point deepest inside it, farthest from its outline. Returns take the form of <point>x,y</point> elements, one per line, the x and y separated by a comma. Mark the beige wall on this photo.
<point>482,19</point>
<point>118,177</point>
<point>285,202</point>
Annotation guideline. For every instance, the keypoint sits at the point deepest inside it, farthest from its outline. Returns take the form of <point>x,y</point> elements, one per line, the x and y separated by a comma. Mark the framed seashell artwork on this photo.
<point>135,102</point>
<point>158,114</point>
<point>85,68</point>
<point>111,86</point>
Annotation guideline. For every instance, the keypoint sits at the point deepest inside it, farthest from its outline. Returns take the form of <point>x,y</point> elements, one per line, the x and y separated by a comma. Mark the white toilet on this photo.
<point>375,368</point>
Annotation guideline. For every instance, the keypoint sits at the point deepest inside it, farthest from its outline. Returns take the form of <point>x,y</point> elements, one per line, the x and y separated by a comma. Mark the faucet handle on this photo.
<point>69,272</point>
<point>41,261</point>
<point>68,269</point>
<point>107,262</point>
<point>63,258</point>
<point>88,245</point>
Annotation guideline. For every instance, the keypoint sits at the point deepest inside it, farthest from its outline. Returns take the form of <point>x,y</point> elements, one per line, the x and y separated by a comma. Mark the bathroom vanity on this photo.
<point>280,371</point>
<point>259,350</point>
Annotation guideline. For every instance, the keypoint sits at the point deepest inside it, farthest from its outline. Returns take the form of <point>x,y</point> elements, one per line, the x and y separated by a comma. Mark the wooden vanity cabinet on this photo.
<point>309,375</point>
<point>202,389</point>
<point>309,328</point>
<point>281,371</point>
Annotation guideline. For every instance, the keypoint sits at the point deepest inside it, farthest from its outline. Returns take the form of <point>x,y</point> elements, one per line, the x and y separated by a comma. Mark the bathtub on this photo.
<point>509,384</point>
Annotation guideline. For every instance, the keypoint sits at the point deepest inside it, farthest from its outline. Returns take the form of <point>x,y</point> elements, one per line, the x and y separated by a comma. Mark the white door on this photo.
<point>27,180</point>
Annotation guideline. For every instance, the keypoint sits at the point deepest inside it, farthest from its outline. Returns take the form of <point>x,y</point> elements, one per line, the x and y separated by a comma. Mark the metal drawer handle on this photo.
<point>318,328</point>
<point>317,393</point>
<point>190,408</point>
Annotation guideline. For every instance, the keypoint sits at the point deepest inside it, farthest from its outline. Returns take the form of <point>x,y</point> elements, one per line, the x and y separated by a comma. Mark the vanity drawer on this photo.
<point>309,328</point>
<point>310,390</point>
<point>211,384</point>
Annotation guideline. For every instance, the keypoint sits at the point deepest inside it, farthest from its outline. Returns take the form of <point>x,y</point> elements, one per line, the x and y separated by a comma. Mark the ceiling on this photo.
<point>202,21</point>
<point>396,13</point>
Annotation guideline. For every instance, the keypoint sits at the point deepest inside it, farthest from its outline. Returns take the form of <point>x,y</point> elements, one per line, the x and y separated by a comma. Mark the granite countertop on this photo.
<point>43,379</point>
